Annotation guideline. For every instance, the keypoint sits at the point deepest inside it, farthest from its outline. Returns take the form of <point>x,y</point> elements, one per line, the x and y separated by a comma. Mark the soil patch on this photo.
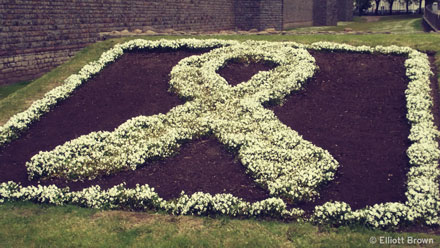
<point>355,108</point>
<point>202,165</point>
<point>235,72</point>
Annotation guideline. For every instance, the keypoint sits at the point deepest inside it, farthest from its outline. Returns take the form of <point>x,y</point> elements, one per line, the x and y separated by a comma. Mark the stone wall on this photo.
<point>258,14</point>
<point>247,14</point>
<point>345,10</point>
<point>325,12</point>
<point>271,14</point>
<point>297,13</point>
<point>37,35</point>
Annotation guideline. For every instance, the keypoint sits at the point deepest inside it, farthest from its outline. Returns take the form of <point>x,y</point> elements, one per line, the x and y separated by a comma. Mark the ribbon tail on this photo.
<point>133,143</point>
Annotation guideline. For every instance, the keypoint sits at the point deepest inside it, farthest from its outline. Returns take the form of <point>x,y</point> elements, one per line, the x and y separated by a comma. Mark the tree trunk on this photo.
<point>407,7</point>
<point>376,11</point>
<point>420,6</point>
<point>391,7</point>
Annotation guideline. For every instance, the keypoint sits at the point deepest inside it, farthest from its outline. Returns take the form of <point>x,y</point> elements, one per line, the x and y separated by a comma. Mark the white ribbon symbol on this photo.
<point>275,156</point>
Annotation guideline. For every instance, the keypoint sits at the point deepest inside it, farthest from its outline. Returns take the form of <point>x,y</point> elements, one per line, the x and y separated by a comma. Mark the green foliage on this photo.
<point>362,6</point>
<point>390,4</point>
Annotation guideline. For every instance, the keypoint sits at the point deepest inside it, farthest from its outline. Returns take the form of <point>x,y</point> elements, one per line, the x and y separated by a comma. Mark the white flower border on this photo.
<point>142,197</point>
<point>423,197</point>
<point>423,203</point>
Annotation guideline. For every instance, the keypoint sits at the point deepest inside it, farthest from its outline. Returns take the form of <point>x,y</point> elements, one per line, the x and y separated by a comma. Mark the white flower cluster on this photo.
<point>142,197</point>
<point>226,204</point>
<point>44,194</point>
<point>276,156</point>
<point>333,212</point>
<point>332,47</point>
<point>133,143</point>
<point>424,154</point>
<point>139,198</point>
<point>380,215</point>
<point>423,196</point>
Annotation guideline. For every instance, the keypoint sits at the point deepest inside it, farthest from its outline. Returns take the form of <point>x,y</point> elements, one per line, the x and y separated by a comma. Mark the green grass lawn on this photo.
<point>394,24</point>
<point>6,90</point>
<point>34,225</point>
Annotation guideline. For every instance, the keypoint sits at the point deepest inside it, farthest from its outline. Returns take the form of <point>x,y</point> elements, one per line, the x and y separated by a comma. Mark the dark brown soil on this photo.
<point>354,107</point>
<point>235,72</point>
<point>202,165</point>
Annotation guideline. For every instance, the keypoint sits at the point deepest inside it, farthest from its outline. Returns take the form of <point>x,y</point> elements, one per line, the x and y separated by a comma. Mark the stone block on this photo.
<point>151,32</point>
<point>271,31</point>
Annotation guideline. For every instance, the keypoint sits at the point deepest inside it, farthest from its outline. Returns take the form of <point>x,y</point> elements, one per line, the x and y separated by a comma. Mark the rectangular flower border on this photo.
<point>423,204</point>
<point>423,199</point>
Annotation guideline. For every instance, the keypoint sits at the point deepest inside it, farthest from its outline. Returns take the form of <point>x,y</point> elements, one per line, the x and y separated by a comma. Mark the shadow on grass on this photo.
<point>6,90</point>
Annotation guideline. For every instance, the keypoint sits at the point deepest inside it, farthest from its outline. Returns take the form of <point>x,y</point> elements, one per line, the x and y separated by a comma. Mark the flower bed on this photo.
<point>276,156</point>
